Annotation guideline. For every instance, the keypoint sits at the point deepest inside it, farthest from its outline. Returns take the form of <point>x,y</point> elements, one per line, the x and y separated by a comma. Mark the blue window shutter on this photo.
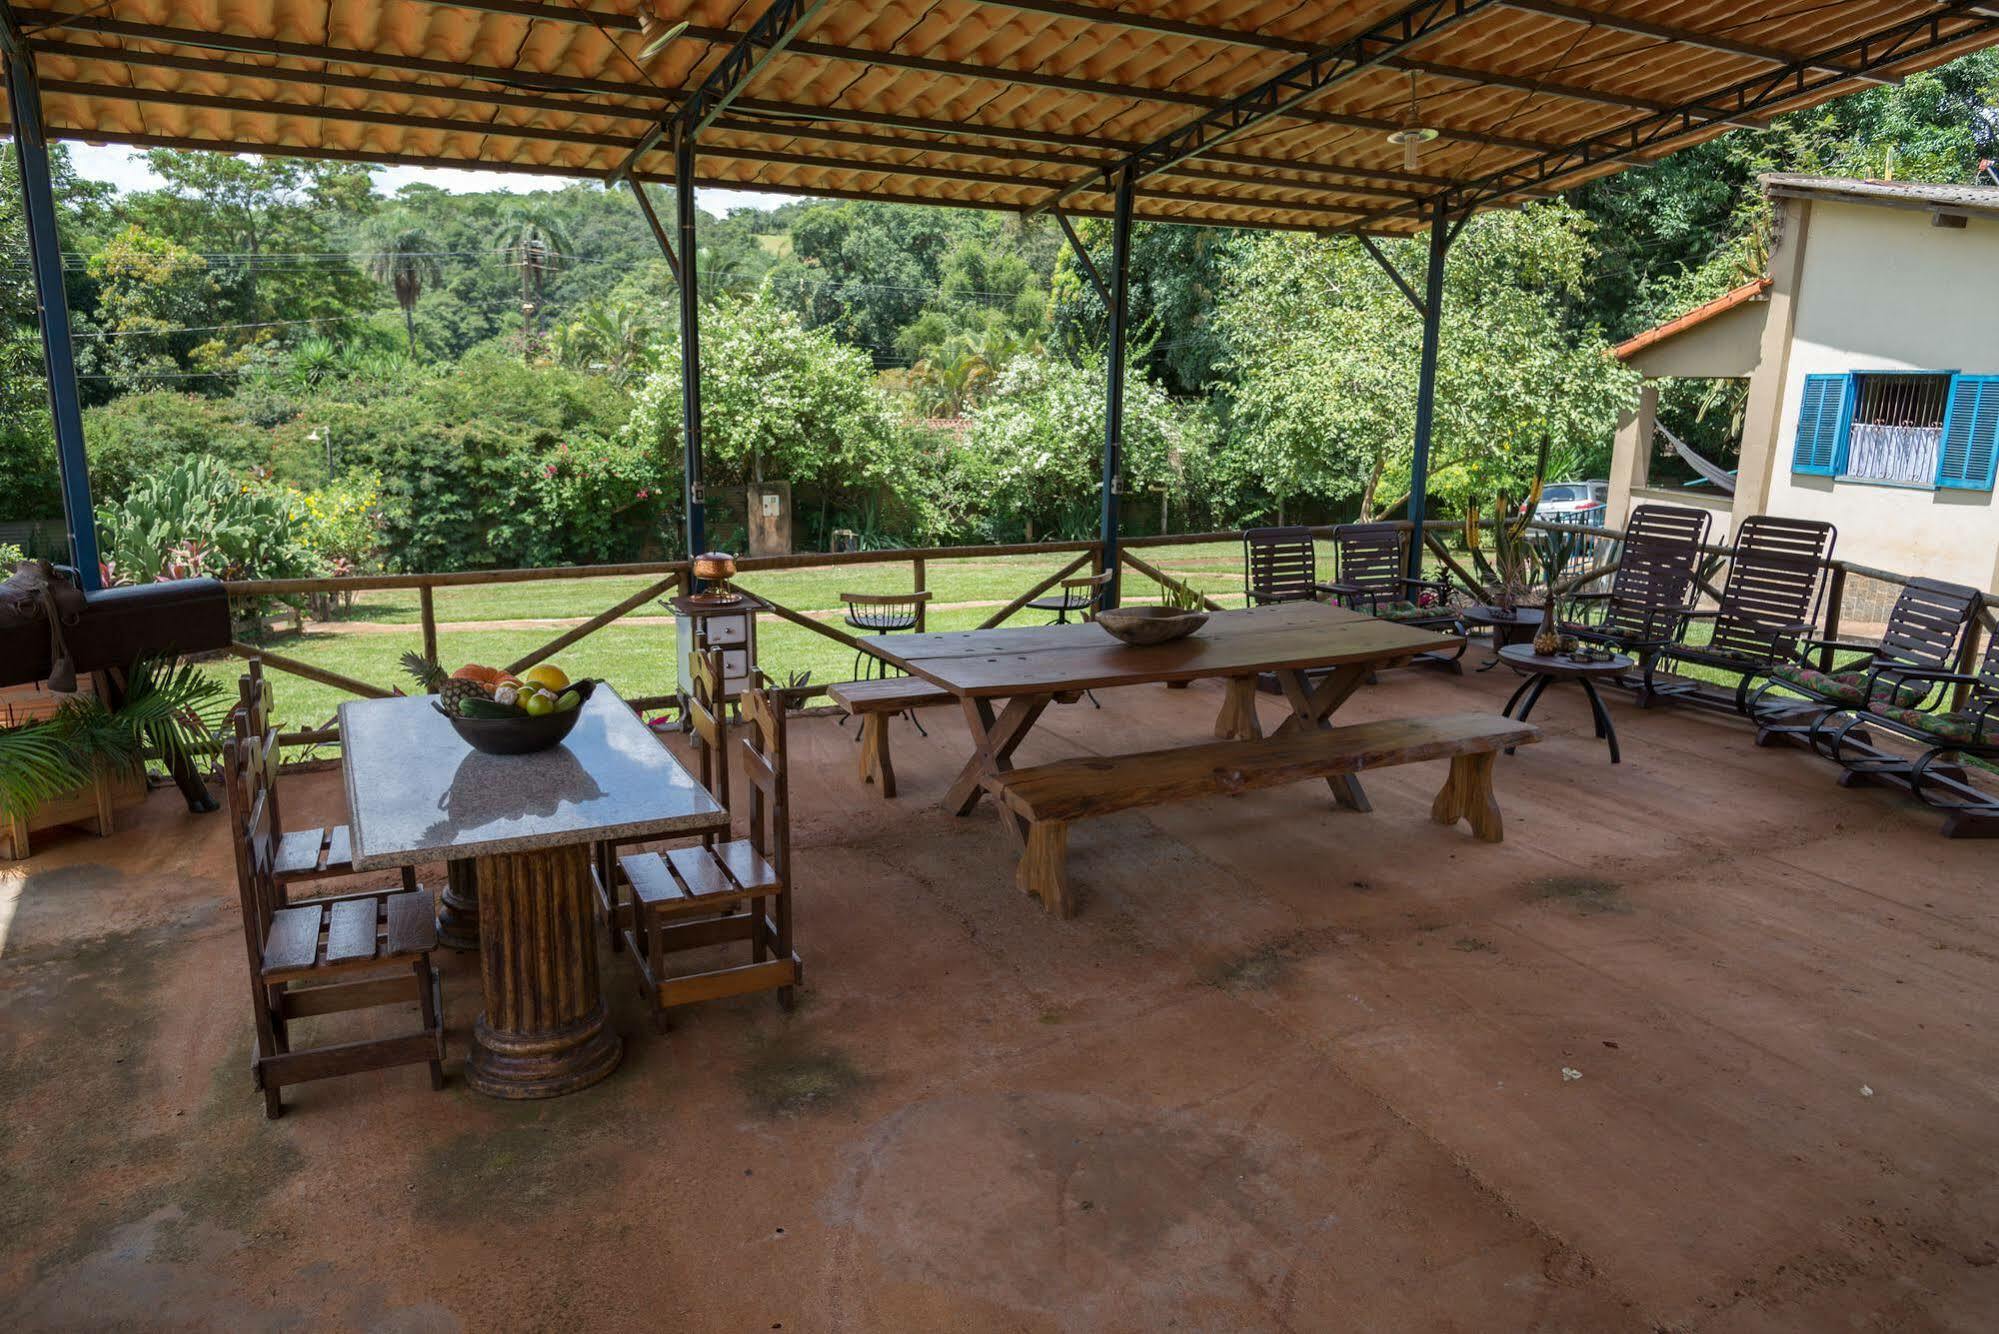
<point>1822,418</point>
<point>1970,433</point>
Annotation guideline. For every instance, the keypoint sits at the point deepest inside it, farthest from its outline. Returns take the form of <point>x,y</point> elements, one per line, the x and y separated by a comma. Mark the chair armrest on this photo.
<point>1851,645</point>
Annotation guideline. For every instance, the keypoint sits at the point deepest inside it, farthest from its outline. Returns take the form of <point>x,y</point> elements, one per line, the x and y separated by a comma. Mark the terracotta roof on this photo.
<point>1919,194</point>
<point>1258,113</point>
<point>1727,301</point>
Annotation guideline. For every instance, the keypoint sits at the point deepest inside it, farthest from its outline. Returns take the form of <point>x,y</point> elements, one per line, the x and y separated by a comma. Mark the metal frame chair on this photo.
<point>1279,565</point>
<point>1370,564</point>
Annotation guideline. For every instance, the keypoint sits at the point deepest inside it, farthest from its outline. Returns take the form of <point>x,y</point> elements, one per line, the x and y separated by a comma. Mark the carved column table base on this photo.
<point>545,1030</point>
<point>458,906</point>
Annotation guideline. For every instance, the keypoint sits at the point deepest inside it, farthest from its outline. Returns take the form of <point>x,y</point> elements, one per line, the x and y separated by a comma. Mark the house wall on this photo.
<point>1881,289</point>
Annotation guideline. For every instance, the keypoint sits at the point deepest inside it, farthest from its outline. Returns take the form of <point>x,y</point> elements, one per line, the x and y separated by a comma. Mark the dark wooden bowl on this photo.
<point>1150,625</point>
<point>519,736</point>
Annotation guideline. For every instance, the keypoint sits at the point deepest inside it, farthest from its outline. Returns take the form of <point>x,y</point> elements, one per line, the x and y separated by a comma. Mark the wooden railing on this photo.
<point>668,575</point>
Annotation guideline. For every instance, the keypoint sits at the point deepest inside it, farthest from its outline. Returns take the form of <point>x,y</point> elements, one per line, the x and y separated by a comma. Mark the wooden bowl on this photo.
<point>519,736</point>
<point>1150,625</point>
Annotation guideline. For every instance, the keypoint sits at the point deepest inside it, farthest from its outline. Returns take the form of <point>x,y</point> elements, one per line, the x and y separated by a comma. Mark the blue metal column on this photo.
<point>1114,388</point>
<point>24,105</point>
<point>690,340</point>
<point>1426,381</point>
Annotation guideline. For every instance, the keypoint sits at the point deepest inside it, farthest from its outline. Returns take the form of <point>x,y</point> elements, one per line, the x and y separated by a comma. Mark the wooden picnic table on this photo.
<point>1031,667</point>
<point>527,825</point>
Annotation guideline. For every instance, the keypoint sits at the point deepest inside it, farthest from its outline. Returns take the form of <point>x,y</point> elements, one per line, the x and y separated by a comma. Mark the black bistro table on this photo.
<point>1540,671</point>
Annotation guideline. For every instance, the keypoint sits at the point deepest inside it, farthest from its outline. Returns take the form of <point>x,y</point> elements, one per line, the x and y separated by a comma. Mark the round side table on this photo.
<point>1540,671</point>
<point>1514,627</point>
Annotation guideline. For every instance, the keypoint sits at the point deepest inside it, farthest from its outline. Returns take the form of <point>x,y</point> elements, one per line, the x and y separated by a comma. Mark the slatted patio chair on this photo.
<point>304,855</point>
<point>1656,582</point>
<point>1279,565</point>
<point>694,897</point>
<point>1371,575</point>
<point>1773,596</point>
<point>1948,731</point>
<point>1925,632</point>
<point>325,955</point>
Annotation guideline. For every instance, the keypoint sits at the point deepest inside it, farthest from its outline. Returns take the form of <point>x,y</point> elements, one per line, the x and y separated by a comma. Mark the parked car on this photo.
<point>1574,502</point>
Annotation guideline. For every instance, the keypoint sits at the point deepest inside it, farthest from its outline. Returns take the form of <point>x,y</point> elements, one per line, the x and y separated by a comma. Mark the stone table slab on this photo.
<point>416,792</point>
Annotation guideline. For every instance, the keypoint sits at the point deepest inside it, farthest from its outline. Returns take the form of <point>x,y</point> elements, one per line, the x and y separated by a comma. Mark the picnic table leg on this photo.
<point>1311,708</point>
<point>993,744</point>
<point>1237,720</point>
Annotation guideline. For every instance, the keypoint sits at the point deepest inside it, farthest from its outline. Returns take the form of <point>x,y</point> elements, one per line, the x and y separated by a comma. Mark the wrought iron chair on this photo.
<point>1774,595</point>
<point>1371,565</point>
<point>884,614</point>
<point>1079,597</point>
<point>1279,565</point>
<point>1925,633</point>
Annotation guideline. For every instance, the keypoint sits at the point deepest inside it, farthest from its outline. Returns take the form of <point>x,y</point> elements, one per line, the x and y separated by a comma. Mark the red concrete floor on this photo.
<point>1291,1068</point>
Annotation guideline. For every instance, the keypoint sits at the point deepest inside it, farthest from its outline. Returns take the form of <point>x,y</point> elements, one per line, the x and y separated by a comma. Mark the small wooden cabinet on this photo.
<point>703,626</point>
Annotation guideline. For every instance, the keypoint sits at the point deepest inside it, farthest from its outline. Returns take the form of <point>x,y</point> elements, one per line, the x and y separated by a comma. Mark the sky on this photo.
<point>126,168</point>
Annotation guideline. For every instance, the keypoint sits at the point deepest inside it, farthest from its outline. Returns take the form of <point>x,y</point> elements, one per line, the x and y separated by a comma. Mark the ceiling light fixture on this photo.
<point>1413,131</point>
<point>658,36</point>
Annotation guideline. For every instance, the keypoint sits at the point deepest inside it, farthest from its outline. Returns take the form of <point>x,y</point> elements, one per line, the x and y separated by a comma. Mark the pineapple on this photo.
<point>451,691</point>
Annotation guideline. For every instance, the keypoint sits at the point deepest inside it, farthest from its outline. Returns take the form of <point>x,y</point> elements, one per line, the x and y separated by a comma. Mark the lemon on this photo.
<point>538,705</point>
<point>548,676</point>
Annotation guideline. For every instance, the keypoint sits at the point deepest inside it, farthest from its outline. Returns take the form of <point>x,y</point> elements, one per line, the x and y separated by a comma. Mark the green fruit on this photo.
<point>487,708</point>
<point>570,699</point>
<point>539,706</point>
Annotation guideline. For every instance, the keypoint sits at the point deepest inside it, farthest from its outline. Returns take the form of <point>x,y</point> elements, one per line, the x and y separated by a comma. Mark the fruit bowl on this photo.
<point>519,736</point>
<point>1150,625</point>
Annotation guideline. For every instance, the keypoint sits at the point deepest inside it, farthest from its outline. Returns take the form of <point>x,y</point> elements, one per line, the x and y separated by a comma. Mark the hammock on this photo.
<point>1723,479</point>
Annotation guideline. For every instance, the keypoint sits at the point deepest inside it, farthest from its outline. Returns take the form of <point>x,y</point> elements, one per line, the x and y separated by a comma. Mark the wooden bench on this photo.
<point>875,702</point>
<point>1049,797</point>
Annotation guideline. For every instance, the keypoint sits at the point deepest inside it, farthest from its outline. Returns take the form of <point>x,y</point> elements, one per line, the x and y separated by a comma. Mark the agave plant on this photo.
<point>170,708</point>
<point>1509,572</point>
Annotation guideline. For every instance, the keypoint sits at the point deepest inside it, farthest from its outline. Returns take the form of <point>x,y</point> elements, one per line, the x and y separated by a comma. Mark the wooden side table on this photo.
<point>1540,671</point>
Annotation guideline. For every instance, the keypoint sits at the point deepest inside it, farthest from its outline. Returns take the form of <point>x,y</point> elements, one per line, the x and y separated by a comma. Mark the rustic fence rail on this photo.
<point>1605,545</point>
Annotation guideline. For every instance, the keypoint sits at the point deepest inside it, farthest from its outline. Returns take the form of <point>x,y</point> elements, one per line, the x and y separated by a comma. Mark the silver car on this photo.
<point>1574,502</point>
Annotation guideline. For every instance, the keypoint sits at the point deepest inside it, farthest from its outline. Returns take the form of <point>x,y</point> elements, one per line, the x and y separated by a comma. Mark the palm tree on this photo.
<point>405,260</point>
<point>535,244</point>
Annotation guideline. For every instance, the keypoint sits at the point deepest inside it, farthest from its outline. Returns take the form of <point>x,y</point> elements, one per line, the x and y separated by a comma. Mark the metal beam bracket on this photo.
<point>658,229</point>
<point>1388,267</point>
<point>1089,265</point>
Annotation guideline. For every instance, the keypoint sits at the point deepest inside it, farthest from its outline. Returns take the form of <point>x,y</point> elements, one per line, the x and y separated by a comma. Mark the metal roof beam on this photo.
<point>529,9</point>
<point>776,28</point>
<point>1284,93</point>
<point>1678,36</point>
<point>1540,87</point>
<point>1759,96</point>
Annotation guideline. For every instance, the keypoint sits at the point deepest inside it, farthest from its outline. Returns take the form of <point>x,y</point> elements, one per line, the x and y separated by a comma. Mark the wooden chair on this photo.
<point>304,855</point>
<point>1371,575</point>
<point>1656,582</point>
<point>1774,595</point>
<point>1279,565</point>
<point>1079,597</point>
<point>715,892</point>
<point>1925,632</point>
<point>708,733</point>
<point>326,955</point>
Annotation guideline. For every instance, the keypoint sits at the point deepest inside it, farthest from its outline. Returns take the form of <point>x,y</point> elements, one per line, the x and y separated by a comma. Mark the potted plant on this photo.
<point>1509,571</point>
<point>80,760</point>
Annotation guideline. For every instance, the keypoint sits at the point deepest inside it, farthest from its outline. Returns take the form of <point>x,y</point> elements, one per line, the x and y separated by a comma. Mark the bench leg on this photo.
<point>875,762</point>
<point>1044,866</point>
<point>1467,795</point>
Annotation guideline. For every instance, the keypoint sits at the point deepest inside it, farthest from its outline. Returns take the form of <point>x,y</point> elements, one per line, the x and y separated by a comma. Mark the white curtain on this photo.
<point>1894,453</point>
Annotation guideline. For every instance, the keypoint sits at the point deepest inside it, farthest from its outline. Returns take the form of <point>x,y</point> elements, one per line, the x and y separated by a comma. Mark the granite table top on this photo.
<point>416,792</point>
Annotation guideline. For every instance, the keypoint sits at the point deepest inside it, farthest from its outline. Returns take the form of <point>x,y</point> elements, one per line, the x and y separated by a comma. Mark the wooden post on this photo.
<point>1967,662</point>
<point>917,566</point>
<point>429,609</point>
<point>1835,596</point>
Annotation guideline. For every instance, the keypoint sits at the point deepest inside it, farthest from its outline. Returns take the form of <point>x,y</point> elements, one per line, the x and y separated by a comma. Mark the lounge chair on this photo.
<point>1925,631</point>
<point>1371,576</point>
<point>1773,596</point>
<point>1279,565</point>
<point>1950,730</point>
<point>1655,584</point>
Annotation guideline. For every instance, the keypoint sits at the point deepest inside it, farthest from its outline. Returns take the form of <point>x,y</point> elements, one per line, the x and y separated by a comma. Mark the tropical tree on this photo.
<point>405,260</point>
<point>534,241</point>
<point>1324,350</point>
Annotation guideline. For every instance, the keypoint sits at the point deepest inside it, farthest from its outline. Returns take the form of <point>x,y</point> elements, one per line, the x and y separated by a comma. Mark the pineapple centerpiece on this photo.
<point>478,691</point>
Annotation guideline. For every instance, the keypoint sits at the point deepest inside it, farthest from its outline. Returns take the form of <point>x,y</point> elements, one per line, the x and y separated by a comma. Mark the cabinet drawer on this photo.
<point>728,629</point>
<point>735,666</point>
